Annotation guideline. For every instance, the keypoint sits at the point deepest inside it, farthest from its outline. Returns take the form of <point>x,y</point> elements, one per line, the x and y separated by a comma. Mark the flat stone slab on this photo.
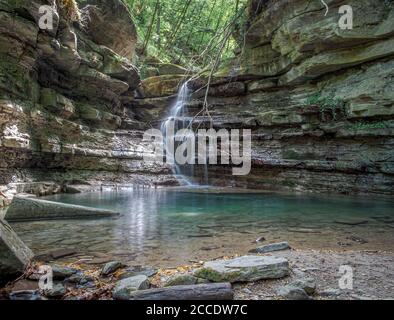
<point>271,248</point>
<point>31,209</point>
<point>14,254</point>
<point>244,269</point>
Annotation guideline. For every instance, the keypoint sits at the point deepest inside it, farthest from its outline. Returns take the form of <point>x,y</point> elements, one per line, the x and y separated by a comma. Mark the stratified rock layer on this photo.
<point>318,99</point>
<point>65,98</point>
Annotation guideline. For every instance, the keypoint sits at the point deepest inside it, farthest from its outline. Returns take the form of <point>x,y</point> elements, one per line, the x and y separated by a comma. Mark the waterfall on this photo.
<point>178,119</point>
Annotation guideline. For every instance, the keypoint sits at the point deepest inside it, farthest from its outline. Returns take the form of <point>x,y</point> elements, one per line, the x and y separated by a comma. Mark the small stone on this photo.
<point>80,279</point>
<point>344,244</point>
<point>181,280</point>
<point>125,287</point>
<point>247,291</point>
<point>260,239</point>
<point>330,292</point>
<point>57,291</point>
<point>111,267</point>
<point>290,292</point>
<point>307,284</point>
<point>271,248</point>
<point>357,239</point>
<point>62,272</point>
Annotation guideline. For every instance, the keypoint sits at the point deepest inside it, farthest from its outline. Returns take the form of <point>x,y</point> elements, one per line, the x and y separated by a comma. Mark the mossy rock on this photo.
<point>182,280</point>
<point>162,86</point>
<point>244,269</point>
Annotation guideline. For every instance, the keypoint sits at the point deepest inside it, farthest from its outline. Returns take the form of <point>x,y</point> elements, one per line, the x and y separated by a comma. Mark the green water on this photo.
<point>172,227</point>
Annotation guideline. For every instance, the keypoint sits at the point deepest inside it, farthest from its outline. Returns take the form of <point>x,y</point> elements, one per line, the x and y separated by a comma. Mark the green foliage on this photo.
<point>327,104</point>
<point>368,125</point>
<point>178,31</point>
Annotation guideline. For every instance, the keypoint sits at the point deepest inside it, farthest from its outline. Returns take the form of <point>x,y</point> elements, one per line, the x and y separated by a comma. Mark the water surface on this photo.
<point>172,227</point>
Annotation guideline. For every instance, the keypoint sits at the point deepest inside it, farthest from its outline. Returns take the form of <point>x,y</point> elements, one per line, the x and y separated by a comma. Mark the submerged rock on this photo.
<point>26,295</point>
<point>244,269</point>
<point>271,248</point>
<point>125,287</point>
<point>27,209</point>
<point>14,254</point>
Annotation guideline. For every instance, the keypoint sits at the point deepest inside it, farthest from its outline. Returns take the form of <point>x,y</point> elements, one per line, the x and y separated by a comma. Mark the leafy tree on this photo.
<point>187,32</point>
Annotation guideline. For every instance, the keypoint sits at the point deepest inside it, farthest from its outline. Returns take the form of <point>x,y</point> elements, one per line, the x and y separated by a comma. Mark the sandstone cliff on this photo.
<point>64,97</point>
<point>319,99</point>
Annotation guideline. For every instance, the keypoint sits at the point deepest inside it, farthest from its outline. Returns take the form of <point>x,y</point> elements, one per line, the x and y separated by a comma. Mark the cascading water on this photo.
<point>178,120</point>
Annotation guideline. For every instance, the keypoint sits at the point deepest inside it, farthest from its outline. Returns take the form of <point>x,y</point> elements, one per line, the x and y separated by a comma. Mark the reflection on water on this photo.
<point>172,227</point>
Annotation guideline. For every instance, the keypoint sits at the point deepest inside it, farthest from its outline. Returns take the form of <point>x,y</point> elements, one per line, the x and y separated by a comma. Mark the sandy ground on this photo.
<point>373,275</point>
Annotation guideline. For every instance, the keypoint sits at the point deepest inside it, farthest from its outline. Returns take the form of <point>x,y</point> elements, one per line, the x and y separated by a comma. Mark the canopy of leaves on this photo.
<point>188,32</point>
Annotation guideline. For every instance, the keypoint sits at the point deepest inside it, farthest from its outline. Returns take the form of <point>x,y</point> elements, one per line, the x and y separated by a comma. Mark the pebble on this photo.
<point>290,292</point>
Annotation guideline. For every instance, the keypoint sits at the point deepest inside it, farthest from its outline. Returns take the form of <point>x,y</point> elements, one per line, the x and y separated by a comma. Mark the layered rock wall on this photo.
<point>318,99</point>
<point>64,97</point>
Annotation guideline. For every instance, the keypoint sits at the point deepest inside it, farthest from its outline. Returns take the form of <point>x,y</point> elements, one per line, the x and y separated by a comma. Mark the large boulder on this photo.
<point>14,254</point>
<point>244,269</point>
<point>29,209</point>
<point>108,22</point>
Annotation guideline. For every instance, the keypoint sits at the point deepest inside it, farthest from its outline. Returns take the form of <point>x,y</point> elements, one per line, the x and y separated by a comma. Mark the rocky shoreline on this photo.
<point>281,275</point>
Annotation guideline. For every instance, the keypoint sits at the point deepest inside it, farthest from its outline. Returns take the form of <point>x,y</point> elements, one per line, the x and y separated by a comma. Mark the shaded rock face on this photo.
<point>65,99</point>
<point>318,99</point>
<point>14,254</point>
<point>120,34</point>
